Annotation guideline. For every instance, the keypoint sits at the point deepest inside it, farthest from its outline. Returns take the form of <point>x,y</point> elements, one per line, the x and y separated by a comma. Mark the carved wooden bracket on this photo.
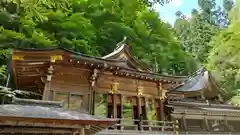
<point>17,57</point>
<point>162,92</point>
<point>140,90</point>
<point>94,77</point>
<point>114,87</point>
<point>56,57</point>
<point>49,73</point>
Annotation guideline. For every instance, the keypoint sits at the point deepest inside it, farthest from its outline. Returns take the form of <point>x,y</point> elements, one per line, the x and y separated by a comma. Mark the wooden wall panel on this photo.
<point>69,88</point>
<point>125,84</point>
<point>72,79</point>
<point>150,91</point>
<point>70,84</point>
<point>149,88</point>
<point>147,83</point>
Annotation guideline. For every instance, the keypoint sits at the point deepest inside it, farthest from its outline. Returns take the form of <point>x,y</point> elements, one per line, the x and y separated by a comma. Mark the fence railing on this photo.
<point>145,125</point>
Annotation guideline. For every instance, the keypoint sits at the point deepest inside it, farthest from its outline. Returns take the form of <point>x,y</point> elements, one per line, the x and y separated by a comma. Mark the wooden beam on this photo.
<point>33,64</point>
<point>47,87</point>
<point>92,89</point>
<point>114,105</point>
<point>39,124</point>
<point>13,62</point>
<point>139,106</point>
<point>122,102</point>
<point>35,130</point>
<point>184,123</point>
<point>161,110</point>
<point>205,120</point>
<point>209,117</point>
<point>226,125</point>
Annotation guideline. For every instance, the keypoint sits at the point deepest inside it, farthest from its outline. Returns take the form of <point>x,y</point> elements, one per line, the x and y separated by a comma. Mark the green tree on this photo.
<point>225,55</point>
<point>196,33</point>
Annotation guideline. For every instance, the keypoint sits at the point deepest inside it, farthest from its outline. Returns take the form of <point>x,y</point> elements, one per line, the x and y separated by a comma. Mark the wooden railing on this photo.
<point>145,125</point>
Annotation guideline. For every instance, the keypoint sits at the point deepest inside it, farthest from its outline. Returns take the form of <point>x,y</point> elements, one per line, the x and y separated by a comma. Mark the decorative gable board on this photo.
<point>122,53</point>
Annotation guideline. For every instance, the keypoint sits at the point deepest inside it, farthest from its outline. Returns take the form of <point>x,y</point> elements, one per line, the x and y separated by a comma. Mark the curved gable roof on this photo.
<point>196,82</point>
<point>123,53</point>
<point>201,80</point>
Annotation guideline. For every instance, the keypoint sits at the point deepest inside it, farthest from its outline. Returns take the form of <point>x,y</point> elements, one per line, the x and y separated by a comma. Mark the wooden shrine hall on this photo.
<point>114,80</point>
<point>115,86</point>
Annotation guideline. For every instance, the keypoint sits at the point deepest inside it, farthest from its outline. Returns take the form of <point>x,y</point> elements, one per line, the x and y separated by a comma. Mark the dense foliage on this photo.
<point>225,55</point>
<point>211,36</point>
<point>196,32</point>
<point>94,27</point>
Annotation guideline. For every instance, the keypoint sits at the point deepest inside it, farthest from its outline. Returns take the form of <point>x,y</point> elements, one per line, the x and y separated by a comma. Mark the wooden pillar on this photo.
<point>140,116</point>
<point>202,95</point>
<point>114,89</point>
<point>121,122</point>
<point>139,105</point>
<point>139,94</point>
<point>226,125</point>
<point>82,131</point>
<point>92,91</point>
<point>114,106</point>
<point>220,98</point>
<point>162,110</point>
<point>161,95</point>
<point>184,123</point>
<point>206,124</point>
<point>122,102</point>
<point>47,87</point>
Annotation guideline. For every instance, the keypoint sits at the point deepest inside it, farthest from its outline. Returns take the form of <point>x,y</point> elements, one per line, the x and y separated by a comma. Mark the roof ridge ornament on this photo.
<point>121,42</point>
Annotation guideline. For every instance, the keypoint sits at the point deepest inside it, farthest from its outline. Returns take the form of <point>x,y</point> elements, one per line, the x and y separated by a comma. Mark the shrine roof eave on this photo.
<point>151,76</point>
<point>203,115</point>
<point>47,114</point>
<point>109,64</point>
<point>90,127</point>
<point>199,81</point>
<point>120,69</point>
<point>32,102</point>
<point>197,112</point>
<point>201,104</point>
<point>126,71</point>
<point>195,82</point>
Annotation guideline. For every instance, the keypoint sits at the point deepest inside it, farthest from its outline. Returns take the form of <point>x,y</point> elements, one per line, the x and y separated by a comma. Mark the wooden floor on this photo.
<point>133,132</point>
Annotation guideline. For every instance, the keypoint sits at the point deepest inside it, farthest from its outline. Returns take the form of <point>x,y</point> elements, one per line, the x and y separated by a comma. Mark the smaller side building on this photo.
<point>28,117</point>
<point>199,107</point>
